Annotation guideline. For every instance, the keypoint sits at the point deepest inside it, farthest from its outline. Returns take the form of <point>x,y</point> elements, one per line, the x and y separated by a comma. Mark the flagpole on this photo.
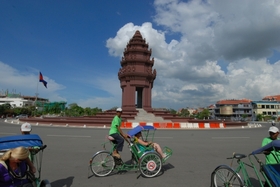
<point>36,94</point>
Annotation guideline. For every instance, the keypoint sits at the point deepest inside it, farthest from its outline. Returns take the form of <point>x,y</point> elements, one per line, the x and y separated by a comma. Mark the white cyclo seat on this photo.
<point>110,138</point>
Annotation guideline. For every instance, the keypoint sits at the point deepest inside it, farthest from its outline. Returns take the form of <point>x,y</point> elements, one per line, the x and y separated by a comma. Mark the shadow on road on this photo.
<point>167,167</point>
<point>67,182</point>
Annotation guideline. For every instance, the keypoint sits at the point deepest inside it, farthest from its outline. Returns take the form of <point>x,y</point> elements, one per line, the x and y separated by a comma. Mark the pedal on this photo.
<point>118,161</point>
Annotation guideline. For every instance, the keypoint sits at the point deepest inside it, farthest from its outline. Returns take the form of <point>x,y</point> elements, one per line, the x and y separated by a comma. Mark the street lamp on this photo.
<point>36,108</point>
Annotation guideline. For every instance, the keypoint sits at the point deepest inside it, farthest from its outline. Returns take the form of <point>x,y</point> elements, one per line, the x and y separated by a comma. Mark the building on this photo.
<point>211,109</point>
<point>17,100</point>
<point>233,109</point>
<point>58,106</point>
<point>266,108</point>
<point>245,109</point>
<point>272,98</point>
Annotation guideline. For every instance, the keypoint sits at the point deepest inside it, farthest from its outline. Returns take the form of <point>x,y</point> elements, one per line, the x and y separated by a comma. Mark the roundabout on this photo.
<point>87,123</point>
<point>195,154</point>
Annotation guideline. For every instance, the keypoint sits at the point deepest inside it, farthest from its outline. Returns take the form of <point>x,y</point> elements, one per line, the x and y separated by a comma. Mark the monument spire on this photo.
<point>136,74</point>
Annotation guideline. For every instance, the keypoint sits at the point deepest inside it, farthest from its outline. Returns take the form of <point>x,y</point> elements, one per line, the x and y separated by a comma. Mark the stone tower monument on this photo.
<point>136,74</point>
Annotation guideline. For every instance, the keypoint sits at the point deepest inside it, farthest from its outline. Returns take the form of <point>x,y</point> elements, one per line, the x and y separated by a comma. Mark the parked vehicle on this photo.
<point>22,116</point>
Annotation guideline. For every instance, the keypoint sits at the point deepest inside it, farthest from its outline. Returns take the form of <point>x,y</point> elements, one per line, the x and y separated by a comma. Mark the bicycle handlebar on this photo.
<point>237,156</point>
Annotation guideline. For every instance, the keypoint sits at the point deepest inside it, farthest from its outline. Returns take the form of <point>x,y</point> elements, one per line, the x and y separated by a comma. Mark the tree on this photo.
<point>204,114</point>
<point>5,108</point>
<point>172,111</point>
<point>55,109</point>
<point>91,111</point>
<point>74,110</point>
<point>185,113</point>
<point>96,110</point>
<point>87,111</point>
<point>21,110</point>
<point>244,116</point>
<point>259,117</point>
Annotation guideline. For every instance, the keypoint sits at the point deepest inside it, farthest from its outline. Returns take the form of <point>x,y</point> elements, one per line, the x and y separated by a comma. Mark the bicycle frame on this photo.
<point>261,171</point>
<point>241,171</point>
<point>242,167</point>
<point>136,153</point>
<point>226,176</point>
<point>148,161</point>
<point>122,166</point>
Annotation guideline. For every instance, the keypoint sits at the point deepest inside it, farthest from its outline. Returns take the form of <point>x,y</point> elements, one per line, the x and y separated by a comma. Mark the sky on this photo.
<point>204,50</point>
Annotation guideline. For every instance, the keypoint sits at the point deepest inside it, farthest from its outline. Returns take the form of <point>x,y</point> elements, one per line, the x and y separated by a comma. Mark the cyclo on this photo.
<point>226,176</point>
<point>35,145</point>
<point>148,161</point>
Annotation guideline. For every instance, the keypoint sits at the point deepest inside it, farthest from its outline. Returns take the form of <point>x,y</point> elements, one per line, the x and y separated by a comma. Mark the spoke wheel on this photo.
<point>45,183</point>
<point>226,177</point>
<point>150,164</point>
<point>102,164</point>
<point>42,184</point>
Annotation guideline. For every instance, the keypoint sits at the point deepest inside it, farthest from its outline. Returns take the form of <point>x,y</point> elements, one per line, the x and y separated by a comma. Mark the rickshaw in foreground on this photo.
<point>226,176</point>
<point>148,161</point>
<point>35,145</point>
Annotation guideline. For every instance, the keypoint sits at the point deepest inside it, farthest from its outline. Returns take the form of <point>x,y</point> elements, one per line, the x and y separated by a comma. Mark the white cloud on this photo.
<point>111,86</point>
<point>241,34</point>
<point>215,50</point>
<point>253,79</point>
<point>104,103</point>
<point>27,83</point>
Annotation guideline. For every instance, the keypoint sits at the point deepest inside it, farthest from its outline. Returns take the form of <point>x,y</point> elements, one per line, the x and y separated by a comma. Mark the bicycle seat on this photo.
<point>239,156</point>
<point>110,138</point>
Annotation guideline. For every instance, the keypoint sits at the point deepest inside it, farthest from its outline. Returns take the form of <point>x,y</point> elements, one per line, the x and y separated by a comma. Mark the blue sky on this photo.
<point>204,50</point>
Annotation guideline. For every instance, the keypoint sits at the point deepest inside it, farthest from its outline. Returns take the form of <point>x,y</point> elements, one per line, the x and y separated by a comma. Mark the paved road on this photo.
<point>195,154</point>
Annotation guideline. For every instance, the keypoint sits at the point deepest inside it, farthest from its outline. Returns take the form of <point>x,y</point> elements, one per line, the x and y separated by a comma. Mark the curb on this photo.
<point>175,125</point>
<point>158,125</point>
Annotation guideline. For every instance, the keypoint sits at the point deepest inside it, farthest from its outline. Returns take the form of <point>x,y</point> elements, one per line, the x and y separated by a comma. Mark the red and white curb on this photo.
<point>174,125</point>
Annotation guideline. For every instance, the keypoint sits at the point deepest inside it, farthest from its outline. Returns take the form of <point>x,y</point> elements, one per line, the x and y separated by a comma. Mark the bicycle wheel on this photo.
<point>150,164</point>
<point>102,164</point>
<point>224,176</point>
<point>45,183</point>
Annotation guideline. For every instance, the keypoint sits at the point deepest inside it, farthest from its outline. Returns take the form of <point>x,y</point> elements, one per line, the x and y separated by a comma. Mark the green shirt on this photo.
<point>270,159</point>
<point>114,125</point>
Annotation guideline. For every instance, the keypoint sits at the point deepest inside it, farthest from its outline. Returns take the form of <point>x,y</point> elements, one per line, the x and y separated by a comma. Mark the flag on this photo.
<point>41,79</point>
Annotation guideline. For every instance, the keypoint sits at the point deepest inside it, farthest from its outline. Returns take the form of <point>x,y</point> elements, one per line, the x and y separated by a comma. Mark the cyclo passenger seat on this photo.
<point>142,148</point>
<point>272,172</point>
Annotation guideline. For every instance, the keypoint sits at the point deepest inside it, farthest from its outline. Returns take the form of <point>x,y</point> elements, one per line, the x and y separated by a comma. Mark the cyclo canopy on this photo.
<point>140,128</point>
<point>148,132</point>
<point>10,142</point>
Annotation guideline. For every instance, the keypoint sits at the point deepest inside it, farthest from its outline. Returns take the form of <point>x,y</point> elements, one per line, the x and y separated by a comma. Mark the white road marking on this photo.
<point>164,137</point>
<point>9,133</point>
<point>69,136</point>
<point>230,137</point>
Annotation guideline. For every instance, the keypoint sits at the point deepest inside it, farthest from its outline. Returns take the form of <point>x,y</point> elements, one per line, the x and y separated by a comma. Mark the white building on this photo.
<point>17,100</point>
